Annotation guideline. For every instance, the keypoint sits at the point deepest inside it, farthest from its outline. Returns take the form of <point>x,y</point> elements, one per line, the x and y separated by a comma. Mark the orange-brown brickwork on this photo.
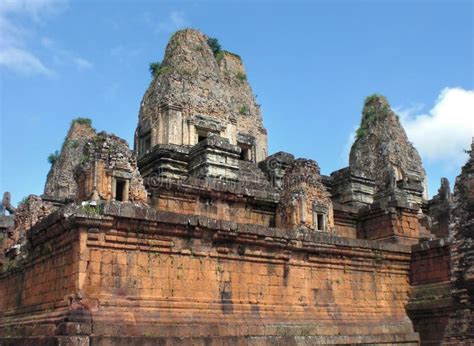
<point>431,265</point>
<point>397,225</point>
<point>345,221</point>
<point>236,211</point>
<point>431,301</point>
<point>41,288</point>
<point>142,273</point>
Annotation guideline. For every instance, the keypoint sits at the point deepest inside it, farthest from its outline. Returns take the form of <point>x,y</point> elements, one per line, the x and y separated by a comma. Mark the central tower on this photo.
<point>196,93</point>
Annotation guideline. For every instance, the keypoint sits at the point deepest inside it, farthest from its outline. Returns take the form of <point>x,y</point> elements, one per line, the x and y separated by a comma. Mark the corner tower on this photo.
<point>382,151</point>
<point>196,93</point>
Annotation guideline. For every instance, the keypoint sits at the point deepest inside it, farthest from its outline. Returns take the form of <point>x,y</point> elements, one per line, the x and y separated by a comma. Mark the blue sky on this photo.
<point>310,63</point>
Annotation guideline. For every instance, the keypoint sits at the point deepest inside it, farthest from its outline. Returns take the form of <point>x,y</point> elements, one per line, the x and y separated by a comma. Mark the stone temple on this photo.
<point>198,236</point>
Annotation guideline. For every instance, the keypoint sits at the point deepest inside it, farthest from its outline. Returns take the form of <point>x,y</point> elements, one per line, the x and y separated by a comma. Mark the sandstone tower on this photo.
<point>382,151</point>
<point>60,183</point>
<point>196,94</point>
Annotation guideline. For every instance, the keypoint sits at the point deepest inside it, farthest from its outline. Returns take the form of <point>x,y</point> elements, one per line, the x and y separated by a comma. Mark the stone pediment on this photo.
<point>207,123</point>
<point>245,139</point>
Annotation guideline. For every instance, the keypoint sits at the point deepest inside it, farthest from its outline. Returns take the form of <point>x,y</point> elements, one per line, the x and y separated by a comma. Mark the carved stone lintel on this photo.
<point>246,139</point>
<point>207,123</point>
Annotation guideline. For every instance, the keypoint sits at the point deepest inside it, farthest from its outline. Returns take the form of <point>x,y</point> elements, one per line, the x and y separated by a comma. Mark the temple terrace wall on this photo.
<point>120,269</point>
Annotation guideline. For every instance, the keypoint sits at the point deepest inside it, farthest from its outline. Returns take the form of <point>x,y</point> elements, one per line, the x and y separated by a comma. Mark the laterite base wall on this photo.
<point>147,276</point>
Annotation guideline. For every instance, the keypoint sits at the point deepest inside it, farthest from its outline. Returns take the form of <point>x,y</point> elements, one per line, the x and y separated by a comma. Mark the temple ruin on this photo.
<point>198,236</point>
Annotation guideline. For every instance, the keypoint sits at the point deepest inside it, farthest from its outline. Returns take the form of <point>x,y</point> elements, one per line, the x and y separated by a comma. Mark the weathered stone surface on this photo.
<point>7,223</point>
<point>351,187</point>
<point>440,208</point>
<point>275,167</point>
<point>32,210</point>
<point>215,158</point>
<point>5,205</point>
<point>234,246</point>
<point>392,221</point>
<point>461,321</point>
<point>108,171</point>
<point>441,302</point>
<point>195,94</point>
<point>304,200</point>
<point>382,151</point>
<point>60,183</point>
<point>463,200</point>
<point>132,272</point>
<point>431,298</point>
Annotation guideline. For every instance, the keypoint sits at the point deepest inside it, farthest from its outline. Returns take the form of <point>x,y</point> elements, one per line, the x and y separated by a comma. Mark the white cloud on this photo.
<point>15,54</point>
<point>36,9</point>
<point>440,135</point>
<point>22,61</point>
<point>446,131</point>
<point>11,35</point>
<point>405,113</point>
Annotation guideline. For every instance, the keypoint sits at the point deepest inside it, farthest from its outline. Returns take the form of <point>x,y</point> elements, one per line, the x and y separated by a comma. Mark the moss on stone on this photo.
<point>53,157</point>
<point>214,45</point>
<point>375,107</point>
<point>82,121</point>
<point>219,56</point>
<point>241,76</point>
<point>91,209</point>
<point>157,68</point>
<point>243,110</point>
